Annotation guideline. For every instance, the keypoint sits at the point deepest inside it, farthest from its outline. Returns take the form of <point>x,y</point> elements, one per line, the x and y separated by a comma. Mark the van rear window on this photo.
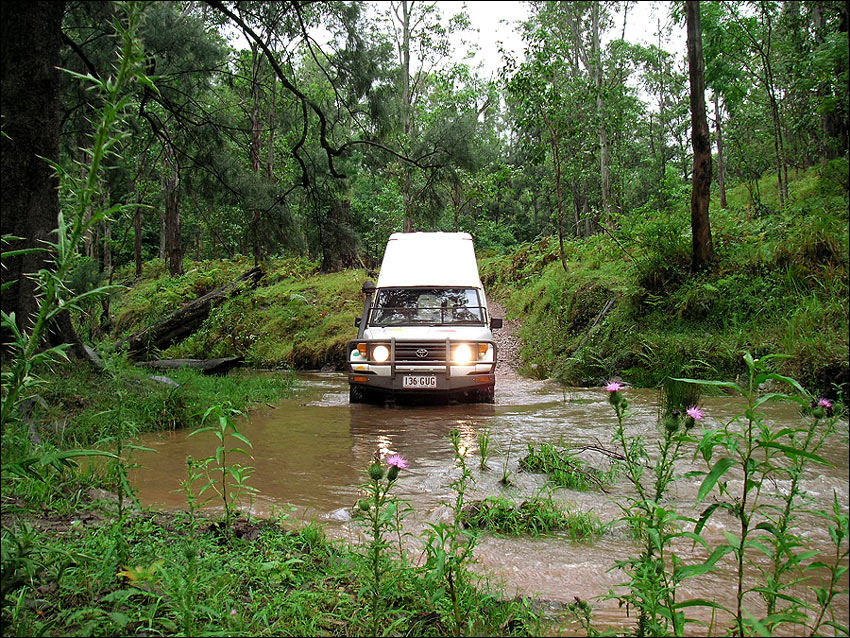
<point>426,306</point>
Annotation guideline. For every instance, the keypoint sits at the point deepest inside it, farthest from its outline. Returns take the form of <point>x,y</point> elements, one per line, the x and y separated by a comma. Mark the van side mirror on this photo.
<point>495,323</point>
<point>357,322</point>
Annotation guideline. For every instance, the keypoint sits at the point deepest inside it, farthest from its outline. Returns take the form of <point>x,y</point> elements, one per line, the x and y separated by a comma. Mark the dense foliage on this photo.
<point>317,129</point>
<point>193,140</point>
<point>256,138</point>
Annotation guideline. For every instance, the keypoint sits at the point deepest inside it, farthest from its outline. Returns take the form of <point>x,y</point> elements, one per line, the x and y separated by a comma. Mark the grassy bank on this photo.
<point>296,317</point>
<point>169,574</point>
<point>76,406</point>
<point>779,285</point>
<point>627,305</point>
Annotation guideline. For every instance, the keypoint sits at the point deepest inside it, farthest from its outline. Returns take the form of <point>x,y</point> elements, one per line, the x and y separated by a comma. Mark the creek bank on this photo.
<point>629,306</point>
<point>80,407</point>
<point>169,573</point>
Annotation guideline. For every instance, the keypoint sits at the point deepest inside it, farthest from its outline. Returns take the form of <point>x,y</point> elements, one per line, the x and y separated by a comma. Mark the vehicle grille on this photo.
<point>420,352</point>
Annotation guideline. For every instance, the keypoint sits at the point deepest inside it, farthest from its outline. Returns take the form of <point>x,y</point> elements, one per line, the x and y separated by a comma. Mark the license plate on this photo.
<point>419,383</point>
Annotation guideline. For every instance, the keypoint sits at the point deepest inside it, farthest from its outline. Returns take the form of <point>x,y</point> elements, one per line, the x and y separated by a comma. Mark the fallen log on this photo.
<point>186,319</point>
<point>206,366</point>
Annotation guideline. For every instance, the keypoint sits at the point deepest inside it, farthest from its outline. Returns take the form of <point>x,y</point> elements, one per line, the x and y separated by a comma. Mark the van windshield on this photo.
<point>426,306</point>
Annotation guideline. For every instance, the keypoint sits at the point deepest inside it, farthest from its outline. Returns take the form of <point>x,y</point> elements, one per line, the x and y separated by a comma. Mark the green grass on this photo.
<point>296,317</point>
<point>564,469</point>
<point>779,285</point>
<point>77,406</point>
<point>535,516</point>
<point>180,578</point>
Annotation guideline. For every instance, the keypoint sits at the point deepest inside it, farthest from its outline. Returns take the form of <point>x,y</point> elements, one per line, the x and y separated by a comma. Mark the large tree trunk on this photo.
<point>703,250</point>
<point>604,151</point>
<point>29,205</point>
<point>556,160</point>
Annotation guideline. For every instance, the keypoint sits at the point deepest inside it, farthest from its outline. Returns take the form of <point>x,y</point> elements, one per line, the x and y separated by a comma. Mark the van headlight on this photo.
<point>380,353</point>
<point>462,354</point>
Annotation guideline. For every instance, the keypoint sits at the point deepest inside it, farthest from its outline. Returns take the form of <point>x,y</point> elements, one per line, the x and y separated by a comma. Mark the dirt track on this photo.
<point>507,341</point>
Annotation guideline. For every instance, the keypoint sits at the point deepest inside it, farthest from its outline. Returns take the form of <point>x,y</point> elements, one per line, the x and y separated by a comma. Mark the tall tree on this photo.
<point>703,249</point>
<point>29,206</point>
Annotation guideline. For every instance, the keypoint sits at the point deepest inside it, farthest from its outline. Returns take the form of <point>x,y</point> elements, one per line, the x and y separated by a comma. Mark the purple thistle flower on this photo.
<point>397,460</point>
<point>614,386</point>
<point>695,413</point>
<point>825,403</point>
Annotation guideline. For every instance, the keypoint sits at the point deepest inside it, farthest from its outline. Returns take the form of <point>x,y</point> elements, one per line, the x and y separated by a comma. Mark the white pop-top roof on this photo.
<point>429,259</point>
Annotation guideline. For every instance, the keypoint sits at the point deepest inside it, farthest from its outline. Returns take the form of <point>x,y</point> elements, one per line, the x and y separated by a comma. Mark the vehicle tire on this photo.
<point>357,393</point>
<point>484,395</point>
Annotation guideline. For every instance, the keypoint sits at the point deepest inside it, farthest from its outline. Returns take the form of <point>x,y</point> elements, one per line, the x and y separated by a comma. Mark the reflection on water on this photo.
<point>312,452</point>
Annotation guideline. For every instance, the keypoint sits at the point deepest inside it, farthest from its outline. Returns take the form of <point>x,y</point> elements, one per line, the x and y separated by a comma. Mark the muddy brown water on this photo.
<point>310,454</point>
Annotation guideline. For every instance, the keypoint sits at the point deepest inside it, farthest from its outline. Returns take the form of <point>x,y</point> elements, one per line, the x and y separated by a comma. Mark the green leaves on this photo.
<point>223,416</point>
<point>717,471</point>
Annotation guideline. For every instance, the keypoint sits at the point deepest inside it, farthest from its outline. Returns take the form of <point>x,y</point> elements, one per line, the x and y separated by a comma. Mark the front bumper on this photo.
<point>388,376</point>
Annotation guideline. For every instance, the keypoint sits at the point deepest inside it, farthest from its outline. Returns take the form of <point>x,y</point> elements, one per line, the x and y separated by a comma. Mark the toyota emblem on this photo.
<point>422,353</point>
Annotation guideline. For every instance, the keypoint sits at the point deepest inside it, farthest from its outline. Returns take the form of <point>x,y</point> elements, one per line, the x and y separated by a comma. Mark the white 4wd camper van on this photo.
<point>425,328</point>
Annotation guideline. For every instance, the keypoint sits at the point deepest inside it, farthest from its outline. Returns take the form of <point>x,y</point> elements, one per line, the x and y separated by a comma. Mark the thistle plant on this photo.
<point>216,467</point>
<point>654,575</point>
<point>449,546</point>
<point>764,453</point>
<point>836,567</point>
<point>121,463</point>
<point>381,513</point>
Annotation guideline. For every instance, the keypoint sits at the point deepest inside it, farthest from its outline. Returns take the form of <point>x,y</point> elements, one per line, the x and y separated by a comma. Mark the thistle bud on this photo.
<point>376,472</point>
<point>392,473</point>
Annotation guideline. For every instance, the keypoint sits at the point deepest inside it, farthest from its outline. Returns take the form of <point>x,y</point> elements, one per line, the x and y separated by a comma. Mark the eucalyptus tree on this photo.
<point>579,26</point>
<point>420,36</point>
<point>550,104</point>
<point>749,34</point>
<point>812,69</point>
<point>702,245</point>
<point>667,118</point>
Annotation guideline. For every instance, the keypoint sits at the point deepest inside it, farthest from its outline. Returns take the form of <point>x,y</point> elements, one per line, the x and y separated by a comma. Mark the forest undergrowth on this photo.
<point>628,305</point>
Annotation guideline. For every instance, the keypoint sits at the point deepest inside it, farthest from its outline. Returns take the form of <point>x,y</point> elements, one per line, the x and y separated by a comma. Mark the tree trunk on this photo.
<point>338,239</point>
<point>272,115</point>
<point>778,142</point>
<point>604,150</point>
<point>703,250</point>
<point>407,181</point>
<point>255,108</point>
<point>137,222</point>
<point>162,233</point>
<point>170,187</point>
<point>188,318</point>
<point>556,160</point>
<point>29,204</point>
<point>107,247</point>
<point>255,145</point>
<point>721,167</point>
